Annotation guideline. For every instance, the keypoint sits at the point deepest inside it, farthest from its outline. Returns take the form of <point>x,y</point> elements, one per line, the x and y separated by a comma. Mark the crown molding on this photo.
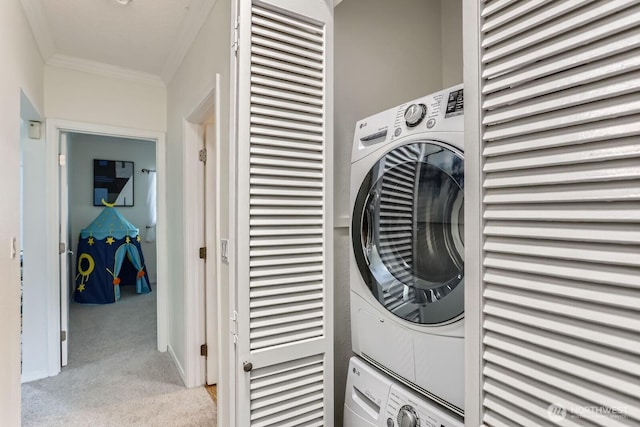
<point>103,69</point>
<point>193,22</point>
<point>37,18</point>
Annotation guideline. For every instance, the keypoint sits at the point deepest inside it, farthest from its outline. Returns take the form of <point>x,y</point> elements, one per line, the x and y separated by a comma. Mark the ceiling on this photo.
<point>146,39</point>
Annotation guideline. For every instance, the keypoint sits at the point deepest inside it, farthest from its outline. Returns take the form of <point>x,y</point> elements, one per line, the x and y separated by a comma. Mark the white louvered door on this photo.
<point>284,273</point>
<point>555,140</point>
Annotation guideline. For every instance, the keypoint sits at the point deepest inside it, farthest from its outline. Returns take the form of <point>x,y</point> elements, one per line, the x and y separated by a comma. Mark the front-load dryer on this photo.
<point>407,244</point>
<point>373,399</point>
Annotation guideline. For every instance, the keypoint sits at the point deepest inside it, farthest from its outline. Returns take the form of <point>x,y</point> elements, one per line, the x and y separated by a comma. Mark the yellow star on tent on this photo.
<point>81,288</point>
<point>128,240</point>
<point>110,240</point>
<point>138,238</point>
<point>90,241</point>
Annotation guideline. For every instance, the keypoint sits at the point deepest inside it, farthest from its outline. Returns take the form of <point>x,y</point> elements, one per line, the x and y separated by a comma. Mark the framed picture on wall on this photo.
<point>112,182</point>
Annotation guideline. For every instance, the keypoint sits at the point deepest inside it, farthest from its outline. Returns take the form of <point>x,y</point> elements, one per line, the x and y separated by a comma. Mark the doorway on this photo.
<point>203,254</point>
<point>57,131</point>
<point>124,170</point>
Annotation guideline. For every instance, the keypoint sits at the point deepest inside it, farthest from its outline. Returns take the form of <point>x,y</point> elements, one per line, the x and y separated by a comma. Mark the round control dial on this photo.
<point>407,417</point>
<point>414,114</point>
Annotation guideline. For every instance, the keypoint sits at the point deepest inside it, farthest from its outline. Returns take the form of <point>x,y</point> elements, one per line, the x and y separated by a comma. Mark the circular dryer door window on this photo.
<point>408,232</point>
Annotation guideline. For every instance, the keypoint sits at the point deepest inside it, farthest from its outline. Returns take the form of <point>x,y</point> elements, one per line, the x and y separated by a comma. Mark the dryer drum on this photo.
<point>408,232</point>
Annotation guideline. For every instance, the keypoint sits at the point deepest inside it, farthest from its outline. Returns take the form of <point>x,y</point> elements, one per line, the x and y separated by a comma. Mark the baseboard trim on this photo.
<point>32,376</point>
<point>178,365</point>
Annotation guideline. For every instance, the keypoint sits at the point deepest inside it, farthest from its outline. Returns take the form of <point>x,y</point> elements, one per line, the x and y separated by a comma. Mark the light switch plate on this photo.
<point>224,246</point>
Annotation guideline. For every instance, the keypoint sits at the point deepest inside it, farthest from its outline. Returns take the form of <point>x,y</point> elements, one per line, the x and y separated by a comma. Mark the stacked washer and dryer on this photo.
<point>407,266</point>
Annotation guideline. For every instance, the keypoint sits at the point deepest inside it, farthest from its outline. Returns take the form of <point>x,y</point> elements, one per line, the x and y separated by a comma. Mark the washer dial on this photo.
<point>407,417</point>
<point>414,114</point>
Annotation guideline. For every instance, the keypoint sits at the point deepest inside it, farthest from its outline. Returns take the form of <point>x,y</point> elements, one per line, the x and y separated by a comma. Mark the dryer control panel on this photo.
<point>439,112</point>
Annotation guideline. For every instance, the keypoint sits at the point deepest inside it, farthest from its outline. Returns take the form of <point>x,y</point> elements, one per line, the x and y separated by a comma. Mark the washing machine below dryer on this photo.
<point>373,399</point>
<point>407,257</point>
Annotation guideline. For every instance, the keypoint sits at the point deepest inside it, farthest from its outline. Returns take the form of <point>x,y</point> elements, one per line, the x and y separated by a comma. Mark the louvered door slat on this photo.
<point>578,310</point>
<point>275,22</point>
<point>545,30</point>
<point>283,95</point>
<point>558,92</point>
<point>279,250</point>
<point>271,321</point>
<point>518,26</point>
<point>283,46</point>
<point>605,377</point>
<point>593,352</point>
<point>285,105</point>
<point>603,28</point>
<point>295,40</point>
<point>584,55</point>
<point>601,110</point>
<point>286,75</point>
<point>605,398</point>
<point>282,289</point>
<point>530,106</point>
<point>287,114</point>
<point>565,269</point>
<point>509,14</point>
<point>287,241</point>
<point>498,385</point>
<point>595,71</point>
<point>602,233</point>
<point>262,15</point>
<point>279,153</point>
<point>271,232</point>
<point>616,296</point>
<point>612,150</point>
<point>284,132</point>
<point>515,405</point>
<point>578,192</point>
<point>494,7</point>
<point>578,212</point>
<point>288,86</point>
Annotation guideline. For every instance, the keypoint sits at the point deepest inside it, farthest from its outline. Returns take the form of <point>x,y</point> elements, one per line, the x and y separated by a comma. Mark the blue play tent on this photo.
<point>109,255</point>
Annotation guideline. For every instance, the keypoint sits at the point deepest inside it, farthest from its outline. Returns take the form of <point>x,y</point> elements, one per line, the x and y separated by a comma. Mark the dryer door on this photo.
<point>408,232</point>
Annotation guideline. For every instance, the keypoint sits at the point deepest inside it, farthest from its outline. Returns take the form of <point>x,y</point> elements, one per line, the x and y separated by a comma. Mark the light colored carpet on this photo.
<point>115,376</point>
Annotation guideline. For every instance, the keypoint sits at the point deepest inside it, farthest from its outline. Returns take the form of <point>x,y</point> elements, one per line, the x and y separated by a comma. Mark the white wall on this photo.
<point>451,41</point>
<point>21,69</point>
<point>82,149</point>
<point>386,53</point>
<point>34,309</point>
<point>209,54</point>
<point>92,98</point>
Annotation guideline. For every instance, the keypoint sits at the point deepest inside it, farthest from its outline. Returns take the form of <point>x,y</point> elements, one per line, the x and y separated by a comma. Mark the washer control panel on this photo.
<point>407,417</point>
<point>405,408</point>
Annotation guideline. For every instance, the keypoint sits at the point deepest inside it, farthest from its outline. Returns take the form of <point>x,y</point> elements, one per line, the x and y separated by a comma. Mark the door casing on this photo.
<point>52,205</point>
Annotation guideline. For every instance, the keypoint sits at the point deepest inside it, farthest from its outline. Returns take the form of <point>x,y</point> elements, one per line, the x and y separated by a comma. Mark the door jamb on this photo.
<point>193,125</point>
<point>53,129</point>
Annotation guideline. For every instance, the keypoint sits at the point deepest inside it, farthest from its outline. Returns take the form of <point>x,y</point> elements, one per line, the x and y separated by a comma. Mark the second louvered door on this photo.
<point>557,86</point>
<point>285,350</point>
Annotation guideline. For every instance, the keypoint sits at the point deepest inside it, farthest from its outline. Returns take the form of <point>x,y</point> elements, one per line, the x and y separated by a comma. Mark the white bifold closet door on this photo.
<point>284,156</point>
<point>553,131</point>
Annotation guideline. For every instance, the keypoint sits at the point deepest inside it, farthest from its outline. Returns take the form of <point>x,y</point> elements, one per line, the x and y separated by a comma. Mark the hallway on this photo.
<point>115,374</point>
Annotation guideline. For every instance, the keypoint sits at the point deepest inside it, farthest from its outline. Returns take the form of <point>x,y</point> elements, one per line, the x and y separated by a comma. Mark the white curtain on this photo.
<point>151,208</point>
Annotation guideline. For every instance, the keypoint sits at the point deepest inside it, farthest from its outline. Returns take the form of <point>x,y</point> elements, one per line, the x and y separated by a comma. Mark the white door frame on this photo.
<point>54,128</point>
<point>193,126</point>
